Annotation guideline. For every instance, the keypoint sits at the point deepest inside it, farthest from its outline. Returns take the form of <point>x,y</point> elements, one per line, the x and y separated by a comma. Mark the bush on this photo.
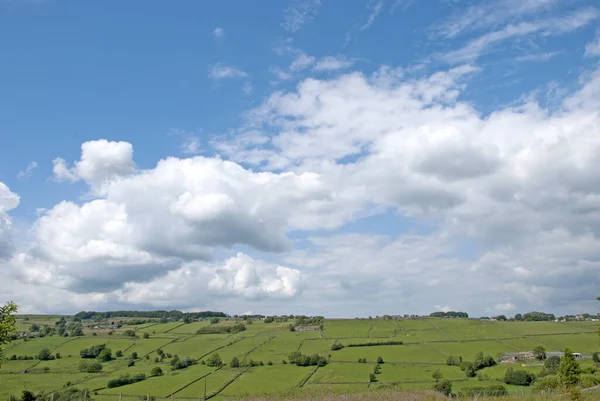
<point>588,380</point>
<point>57,355</point>
<point>130,363</point>
<point>156,371</point>
<point>443,386</point>
<point>134,355</point>
<point>214,320</point>
<point>269,319</point>
<point>546,383</point>
<point>45,355</point>
<point>129,333</point>
<point>90,367</point>
<point>235,362</point>
<point>596,357</point>
<point>518,377</point>
<point>124,380</point>
<point>337,346</point>
<point>221,329</point>
<point>454,360</point>
<point>92,352</point>
<point>299,359</point>
<point>372,378</point>
<point>105,355</point>
<point>270,363</point>
<point>182,363</point>
<point>119,353</point>
<point>214,361</point>
<point>146,335</point>
<point>379,359</point>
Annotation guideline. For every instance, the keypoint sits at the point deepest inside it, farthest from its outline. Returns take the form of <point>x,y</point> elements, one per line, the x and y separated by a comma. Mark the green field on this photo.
<point>427,343</point>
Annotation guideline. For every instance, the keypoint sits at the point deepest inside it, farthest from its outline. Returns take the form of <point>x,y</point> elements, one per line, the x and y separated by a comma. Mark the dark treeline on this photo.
<point>160,314</point>
<point>450,314</point>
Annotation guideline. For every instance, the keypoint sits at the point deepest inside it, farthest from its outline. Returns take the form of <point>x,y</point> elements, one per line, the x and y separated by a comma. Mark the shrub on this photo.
<point>569,370</point>
<point>270,363</point>
<point>156,371</point>
<point>57,355</point>
<point>379,359</point>
<point>454,360</point>
<point>92,352</point>
<point>443,386</point>
<point>546,383</point>
<point>119,353</point>
<point>494,390</point>
<point>130,363</point>
<point>596,357</point>
<point>146,335</point>
<point>214,320</point>
<point>90,367</point>
<point>105,355</point>
<point>518,377</point>
<point>129,333</point>
<point>235,362</point>
<point>372,378</point>
<point>134,355</point>
<point>214,360</point>
<point>269,319</point>
<point>45,355</point>
<point>337,346</point>
<point>588,380</point>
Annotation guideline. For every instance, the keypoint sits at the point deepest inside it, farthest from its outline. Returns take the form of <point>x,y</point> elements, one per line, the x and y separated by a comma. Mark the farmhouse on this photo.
<point>516,356</point>
<point>307,328</point>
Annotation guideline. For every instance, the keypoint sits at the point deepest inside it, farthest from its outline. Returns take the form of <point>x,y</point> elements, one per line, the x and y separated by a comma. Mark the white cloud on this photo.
<point>191,146</point>
<point>545,27</point>
<point>218,33</point>
<point>8,201</point>
<point>301,62</point>
<point>330,63</point>
<point>541,57</point>
<point>247,88</point>
<point>490,14</point>
<point>506,307</point>
<point>299,13</point>
<point>592,49</point>
<point>100,161</point>
<point>223,71</point>
<point>375,7</point>
<point>28,171</point>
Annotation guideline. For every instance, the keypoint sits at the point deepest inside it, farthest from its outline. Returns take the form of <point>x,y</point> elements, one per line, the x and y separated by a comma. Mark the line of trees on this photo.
<point>452,314</point>
<point>159,314</point>
<point>236,328</point>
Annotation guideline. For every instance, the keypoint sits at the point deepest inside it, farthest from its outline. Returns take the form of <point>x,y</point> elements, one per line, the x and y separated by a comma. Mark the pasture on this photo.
<point>427,342</point>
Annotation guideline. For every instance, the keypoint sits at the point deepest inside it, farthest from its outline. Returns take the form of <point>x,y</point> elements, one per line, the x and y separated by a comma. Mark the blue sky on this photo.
<point>315,149</point>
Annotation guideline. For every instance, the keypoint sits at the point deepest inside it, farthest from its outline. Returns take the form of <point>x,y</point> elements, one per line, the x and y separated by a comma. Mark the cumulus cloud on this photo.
<point>8,201</point>
<point>330,63</point>
<point>518,186</point>
<point>100,161</point>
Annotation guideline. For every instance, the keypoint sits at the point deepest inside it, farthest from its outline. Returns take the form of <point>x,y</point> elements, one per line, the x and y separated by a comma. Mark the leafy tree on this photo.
<point>27,396</point>
<point>146,335</point>
<point>596,357</point>
<point>215,320</point>
<point>569,370</point>
<point>372,377</point>
<point>35,328</point>
<point>379,359</point>
<point>156,371</point>
<point>444,387</point>
<point>454,360</point>
<point>119,353</point>
<point>214,360</point>
<point>105,355</point>
<point>8,324</point>
<point>57,355</point>
<point>134,355</point>
<point>92,352</point>
<point>539,352</point>
<point>131,363</point>
<point>518,317</point>
<point>437,375</point>
<point>501,318</point>
<point>90,367</point>
<point>235,362</point>
<point>45,354</point>
<point>518,377</point>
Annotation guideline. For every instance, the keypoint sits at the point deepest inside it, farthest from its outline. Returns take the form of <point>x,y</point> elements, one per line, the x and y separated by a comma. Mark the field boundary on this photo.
<point>308,377</point>
<point>224,386</point>
<point>255,348</point>
<point>192,382</point>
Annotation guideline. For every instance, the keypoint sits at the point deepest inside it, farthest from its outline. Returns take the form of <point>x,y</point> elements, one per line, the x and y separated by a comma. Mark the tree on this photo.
<point>379,359</point>
<point>214,320</point>
<point>8,324</point>
<point>214,361</point>
<point>44,354</point>
<point>569,370</point>
<point>444,387</point>
<point>437,375</point>
<point>372,377</point>
<point>156,371</point>
<point>134,355</point>
<point>105,355</point>
<point>539,352</point>
<point>235,362</point>
<point>518,317</point>
<point>596,357</point>
<point>34,328</point>
<point>119,353</point>
<point>146,335</point>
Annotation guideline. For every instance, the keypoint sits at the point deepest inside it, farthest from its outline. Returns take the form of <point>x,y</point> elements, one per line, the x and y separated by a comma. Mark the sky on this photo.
<point>316,157</point>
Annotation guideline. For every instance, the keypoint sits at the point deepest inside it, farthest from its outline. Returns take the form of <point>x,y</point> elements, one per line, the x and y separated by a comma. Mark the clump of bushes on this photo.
<point>214,361</point>
<point>337,346</point>
<point>92,352</point>
<point>362,360</point>
<point>518,377</point>
<point>299,359</point>
<point>443,386</point>
<point>125,380</point>
<point>454,360</point>
<point>90,367</point>
<point>177,363</point>
<point>479,362</point>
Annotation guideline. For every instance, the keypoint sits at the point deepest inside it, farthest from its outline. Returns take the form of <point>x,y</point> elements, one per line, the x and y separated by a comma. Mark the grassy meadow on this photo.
<point>426,345</point>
